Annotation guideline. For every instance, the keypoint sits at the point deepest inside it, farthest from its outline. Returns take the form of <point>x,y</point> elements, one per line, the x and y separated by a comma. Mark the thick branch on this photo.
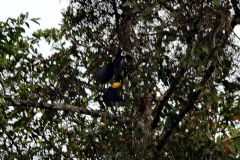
<point>116,15</point>
<point>97,114</point>
<point>208,73</point>
<point>125,30</point>
<point>188,107</point>
<point>93,113</point>
<point>169,131</point>
<point>164,98</point>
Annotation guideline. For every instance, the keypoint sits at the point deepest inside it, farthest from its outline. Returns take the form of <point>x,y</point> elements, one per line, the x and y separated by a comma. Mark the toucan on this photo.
<point>118,68</point>
<point>105,73</point>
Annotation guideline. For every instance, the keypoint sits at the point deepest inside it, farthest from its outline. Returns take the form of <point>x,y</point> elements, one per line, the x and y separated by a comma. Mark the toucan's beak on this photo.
<point>129,56</point>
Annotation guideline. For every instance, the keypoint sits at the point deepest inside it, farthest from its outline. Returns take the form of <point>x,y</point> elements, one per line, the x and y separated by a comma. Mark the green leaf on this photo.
<point>190,63</point>
<point>27,24</point>
<point>155,65</point>
<point>162,76</point>
<point>216,3</point>
<point>199,69</point>
<point>199,87</point>
<point>127,3</point>
<point>135,10</point>
<point>35,20</point>
<point>126,86</point>
<point>117,155</point>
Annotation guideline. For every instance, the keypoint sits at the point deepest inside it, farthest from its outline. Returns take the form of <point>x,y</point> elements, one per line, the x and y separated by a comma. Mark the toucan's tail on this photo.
<point>105,73</point>
<point>111,95</point>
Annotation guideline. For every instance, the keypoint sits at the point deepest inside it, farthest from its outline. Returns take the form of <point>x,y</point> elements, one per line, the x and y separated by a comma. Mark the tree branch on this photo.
<point>208,73</point>
<point>166,134</point>
<point>97,114</point>
<point>164,98</point>
<point>114,5</point>
<point>229,139</point>
<point>93,113</point>
<point>169,131</point>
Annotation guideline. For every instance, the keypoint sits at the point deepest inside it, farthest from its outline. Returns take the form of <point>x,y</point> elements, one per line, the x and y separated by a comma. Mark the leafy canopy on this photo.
<point>183,102</point>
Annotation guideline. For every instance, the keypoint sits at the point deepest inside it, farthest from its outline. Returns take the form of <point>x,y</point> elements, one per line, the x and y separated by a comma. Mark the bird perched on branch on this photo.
<point>118,68</point>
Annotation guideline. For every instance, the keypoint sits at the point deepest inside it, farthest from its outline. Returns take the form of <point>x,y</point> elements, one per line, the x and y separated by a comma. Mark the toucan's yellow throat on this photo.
<point>117,85</point>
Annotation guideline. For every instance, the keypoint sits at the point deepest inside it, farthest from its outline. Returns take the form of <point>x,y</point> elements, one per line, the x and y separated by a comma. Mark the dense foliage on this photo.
<point>183,102</point>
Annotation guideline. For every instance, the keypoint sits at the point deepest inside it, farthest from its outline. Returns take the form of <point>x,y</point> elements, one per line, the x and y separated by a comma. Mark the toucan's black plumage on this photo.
<point>118,68</point>
<point>105,73</point>
<point>111,95</point>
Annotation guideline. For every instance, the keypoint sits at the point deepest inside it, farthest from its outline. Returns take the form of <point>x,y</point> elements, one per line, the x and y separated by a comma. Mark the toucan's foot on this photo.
<point>111,95</point>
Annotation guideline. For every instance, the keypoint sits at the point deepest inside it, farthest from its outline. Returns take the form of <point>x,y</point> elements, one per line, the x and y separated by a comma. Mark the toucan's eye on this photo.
<point>123,53</point>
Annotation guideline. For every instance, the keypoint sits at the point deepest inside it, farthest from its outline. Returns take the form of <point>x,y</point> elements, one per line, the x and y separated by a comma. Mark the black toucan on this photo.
<point>105,73</point>
<point>118,68</point>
